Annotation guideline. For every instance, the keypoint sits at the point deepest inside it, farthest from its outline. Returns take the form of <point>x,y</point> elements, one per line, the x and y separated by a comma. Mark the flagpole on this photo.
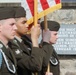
<point>35,12</point>
<point>45,22</point>
<point>35,19</point>
<point>46,27</point>
<point>48,69</point>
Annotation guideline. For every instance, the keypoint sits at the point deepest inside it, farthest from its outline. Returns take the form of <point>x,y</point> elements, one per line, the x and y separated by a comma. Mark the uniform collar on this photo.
<point>19,39</point>
<point>2,44</point>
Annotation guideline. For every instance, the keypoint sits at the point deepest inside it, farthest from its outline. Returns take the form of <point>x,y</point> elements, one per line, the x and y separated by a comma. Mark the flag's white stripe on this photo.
<point>39,6</point>
<point>51,3</point>
<point>40,9</point>
<point>26,7</point>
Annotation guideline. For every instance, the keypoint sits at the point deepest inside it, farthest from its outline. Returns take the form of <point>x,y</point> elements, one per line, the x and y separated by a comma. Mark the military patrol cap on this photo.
<point>7,12</point>
<point>19,12</point>
<point>52,25</point>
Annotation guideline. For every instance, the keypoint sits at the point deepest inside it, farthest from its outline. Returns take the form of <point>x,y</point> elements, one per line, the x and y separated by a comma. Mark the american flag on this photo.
<point>44,8</point>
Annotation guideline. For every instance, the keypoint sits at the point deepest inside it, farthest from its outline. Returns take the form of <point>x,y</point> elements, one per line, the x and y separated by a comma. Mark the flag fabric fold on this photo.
<point>44,7</point>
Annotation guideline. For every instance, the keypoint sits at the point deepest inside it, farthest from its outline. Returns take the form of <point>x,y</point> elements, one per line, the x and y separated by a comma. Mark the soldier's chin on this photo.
<point>29,32</point>
<point>52,43</point>
<point>11,38</point>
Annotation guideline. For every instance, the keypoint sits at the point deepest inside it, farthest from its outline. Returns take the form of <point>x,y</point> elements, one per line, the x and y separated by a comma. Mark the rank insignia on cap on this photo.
<point>17,51</point>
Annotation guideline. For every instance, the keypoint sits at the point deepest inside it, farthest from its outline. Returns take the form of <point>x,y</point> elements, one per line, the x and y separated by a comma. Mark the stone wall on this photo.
<point>63,16</point>
<point>68,65</point>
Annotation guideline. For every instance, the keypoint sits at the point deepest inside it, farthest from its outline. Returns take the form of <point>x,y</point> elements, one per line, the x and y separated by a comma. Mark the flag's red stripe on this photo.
<point>57,1</point>
<point>44,4</point>
<point>31,6</point>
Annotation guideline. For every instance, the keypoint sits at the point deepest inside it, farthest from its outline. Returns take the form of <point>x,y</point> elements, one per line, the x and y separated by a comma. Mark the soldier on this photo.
<point>7,32</point>
<point>27,61</point>
<point>50,37</point>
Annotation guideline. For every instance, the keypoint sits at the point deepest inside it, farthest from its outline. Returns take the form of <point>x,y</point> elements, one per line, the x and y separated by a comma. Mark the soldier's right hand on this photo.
<point>35,32</point>
<point>49,73</point>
